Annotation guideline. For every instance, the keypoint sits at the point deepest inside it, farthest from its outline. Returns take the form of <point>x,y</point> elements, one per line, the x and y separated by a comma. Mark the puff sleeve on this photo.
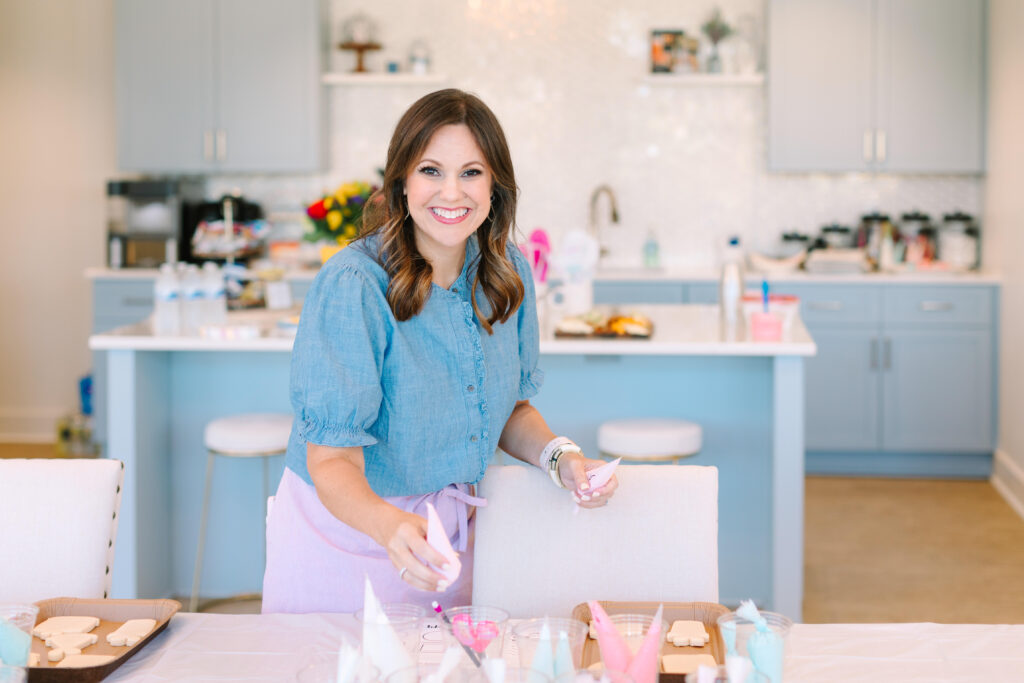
<point>335,385</point>
<point>530,376</point>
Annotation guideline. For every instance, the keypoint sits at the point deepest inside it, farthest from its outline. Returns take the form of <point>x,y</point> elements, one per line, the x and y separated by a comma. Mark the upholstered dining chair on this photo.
<point>58,525</point>
<point>657,540</point>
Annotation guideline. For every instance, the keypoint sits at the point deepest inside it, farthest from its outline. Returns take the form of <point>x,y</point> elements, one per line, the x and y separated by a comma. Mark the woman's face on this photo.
<point>448,191</point>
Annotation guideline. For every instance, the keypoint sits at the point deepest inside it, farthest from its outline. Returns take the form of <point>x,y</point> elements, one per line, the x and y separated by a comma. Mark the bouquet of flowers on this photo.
<point>336,217</point>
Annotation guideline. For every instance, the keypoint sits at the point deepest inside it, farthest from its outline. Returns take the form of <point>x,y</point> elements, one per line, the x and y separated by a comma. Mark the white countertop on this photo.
<point>799,276</point>
<point>692,274</point>
<point>101,273</point>
<point>685,330</point>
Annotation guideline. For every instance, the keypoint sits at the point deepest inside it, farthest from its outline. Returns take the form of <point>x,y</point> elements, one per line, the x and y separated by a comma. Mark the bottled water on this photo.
<point>731,287</point>
<point>193,305</point>
<point>167,302</point>
<point>214,295</point>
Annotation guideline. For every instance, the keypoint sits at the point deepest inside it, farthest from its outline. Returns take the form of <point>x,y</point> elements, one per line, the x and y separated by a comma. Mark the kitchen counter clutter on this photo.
<point>747,397</point>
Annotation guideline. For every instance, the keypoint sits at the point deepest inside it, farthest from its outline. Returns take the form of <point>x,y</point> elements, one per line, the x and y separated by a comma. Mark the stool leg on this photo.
<point>266,494</point>
<point>193,602</point>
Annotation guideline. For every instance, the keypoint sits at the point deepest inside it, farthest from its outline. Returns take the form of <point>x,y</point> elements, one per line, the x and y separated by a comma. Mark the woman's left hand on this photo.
<point>572,468</point>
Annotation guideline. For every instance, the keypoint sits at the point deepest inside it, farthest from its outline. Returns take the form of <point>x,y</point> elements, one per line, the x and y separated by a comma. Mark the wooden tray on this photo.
<point>111,613</point>
<point>705,612</point>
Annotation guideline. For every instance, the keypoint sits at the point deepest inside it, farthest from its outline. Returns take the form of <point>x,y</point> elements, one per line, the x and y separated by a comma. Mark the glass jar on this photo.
<point>959,243</point>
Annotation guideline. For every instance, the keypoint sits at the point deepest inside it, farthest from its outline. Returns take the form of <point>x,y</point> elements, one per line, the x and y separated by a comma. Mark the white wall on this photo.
<point>56,151</point>
<point>1004,211</point>
<point>565,79</point>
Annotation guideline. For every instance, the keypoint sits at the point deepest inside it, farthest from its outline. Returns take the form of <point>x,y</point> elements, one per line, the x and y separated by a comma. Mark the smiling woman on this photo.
<point>415,359</point>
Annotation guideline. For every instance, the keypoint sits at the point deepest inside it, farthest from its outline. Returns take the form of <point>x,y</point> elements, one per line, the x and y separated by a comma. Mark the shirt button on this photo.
<point>470,388</point>
<point>474,438</point>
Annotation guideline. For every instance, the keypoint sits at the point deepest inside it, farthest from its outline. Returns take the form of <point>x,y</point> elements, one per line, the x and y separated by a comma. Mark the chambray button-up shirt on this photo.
<point>426,398</point>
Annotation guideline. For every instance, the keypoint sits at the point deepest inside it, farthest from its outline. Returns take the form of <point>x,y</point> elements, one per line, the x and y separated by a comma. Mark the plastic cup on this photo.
<point>634,628</point>
<point>595,674</point>
<point>765,326</point>
<point>427,673</point>
<point>405,619</point>
<point>476,628</point>
<point>527,634</point>
<point>12,674</point>
<point>768,660</point>
<point>16,624</point>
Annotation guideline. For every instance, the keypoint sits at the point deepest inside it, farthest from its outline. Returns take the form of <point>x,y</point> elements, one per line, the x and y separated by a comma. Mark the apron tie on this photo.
<point>460,493</point>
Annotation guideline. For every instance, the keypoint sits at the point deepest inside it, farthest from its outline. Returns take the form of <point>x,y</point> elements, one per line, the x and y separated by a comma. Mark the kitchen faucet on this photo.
<point>594,197</point>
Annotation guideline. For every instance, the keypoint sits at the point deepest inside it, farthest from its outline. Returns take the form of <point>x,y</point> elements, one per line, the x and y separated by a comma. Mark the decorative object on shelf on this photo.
<point>359,35</point>
<point>672,51</point>
<point>334,220</point>
<point>419,58</point>
<point>716,30</point>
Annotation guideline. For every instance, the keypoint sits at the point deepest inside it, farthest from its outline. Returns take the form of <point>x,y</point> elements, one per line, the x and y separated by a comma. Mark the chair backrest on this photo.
<point>656,540</point>
<point>58,524</point>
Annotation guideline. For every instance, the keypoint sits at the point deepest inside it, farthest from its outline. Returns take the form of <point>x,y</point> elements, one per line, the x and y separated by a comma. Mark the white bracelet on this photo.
<point>549,450</point>
<point>556,456</point>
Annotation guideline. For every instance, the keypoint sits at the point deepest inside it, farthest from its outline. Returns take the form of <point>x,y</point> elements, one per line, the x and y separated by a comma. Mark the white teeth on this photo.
<point>450,213</point>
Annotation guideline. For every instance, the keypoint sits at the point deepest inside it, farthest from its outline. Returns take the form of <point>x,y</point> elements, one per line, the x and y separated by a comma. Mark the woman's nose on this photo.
<point>450,189</point>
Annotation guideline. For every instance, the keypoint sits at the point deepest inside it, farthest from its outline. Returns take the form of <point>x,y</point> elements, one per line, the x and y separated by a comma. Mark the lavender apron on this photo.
<point>316,563</point>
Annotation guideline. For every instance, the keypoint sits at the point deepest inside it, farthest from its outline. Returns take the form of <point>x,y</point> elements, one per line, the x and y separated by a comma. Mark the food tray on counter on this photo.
<point>705,612</point>
<point>605,326</point>
<point>112,614</point>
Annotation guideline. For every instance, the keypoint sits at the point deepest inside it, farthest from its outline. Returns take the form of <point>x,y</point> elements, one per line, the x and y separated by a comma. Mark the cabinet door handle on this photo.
<point>874,354</point>
<point>869,145</point>
<point>887,354</point>
<point>207,145</point>
<point>936,306</point>
<point>825,305</point>
<point>880,145</point>
<point>222,144</point>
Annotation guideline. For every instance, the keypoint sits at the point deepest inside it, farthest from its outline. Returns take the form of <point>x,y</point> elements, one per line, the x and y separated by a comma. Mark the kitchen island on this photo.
<point>747,396</point>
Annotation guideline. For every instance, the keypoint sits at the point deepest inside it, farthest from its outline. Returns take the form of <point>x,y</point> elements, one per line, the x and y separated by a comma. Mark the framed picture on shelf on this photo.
<point>672,51</point>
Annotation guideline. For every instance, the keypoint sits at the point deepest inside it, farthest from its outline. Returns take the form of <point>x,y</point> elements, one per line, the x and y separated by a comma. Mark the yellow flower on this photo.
<point>342,240</point>
<point>349,189</point>
<point>328,202</point>
<point>333,219</point>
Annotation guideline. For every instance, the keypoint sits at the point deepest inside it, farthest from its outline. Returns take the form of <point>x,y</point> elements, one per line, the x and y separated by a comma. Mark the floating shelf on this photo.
<point>704,79</point>
<point>381,79</point>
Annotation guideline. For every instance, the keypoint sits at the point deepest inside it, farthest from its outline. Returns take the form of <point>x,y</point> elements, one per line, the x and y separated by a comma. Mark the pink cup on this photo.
<point>765,327</point>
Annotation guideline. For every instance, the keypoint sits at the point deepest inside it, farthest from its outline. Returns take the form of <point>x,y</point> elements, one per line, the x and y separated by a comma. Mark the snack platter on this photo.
<point>705,612</point>
<point>604,325</point>
<point>112,614</point>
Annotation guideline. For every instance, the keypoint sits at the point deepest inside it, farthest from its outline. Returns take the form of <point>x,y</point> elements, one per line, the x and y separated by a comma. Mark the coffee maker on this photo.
<point>146,220</point>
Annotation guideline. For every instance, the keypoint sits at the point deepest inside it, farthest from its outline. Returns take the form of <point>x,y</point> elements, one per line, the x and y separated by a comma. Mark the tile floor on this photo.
<point>882,550</point>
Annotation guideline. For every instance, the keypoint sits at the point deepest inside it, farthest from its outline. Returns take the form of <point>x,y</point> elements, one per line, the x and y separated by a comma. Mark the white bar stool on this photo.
<point>239,436</point>
<point>649,439</point>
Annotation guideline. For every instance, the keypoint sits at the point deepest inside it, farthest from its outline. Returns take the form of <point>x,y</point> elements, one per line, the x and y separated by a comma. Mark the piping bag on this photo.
<point>599,476</point>
<point>437,537</point>
<point>643,667</point>
<point>764,646</point>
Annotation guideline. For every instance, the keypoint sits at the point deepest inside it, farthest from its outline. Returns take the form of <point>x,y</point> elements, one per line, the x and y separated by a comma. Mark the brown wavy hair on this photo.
<point>386,211</point>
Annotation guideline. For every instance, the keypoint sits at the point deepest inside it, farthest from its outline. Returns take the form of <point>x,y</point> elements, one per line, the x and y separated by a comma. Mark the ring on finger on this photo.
<point>401,573</point>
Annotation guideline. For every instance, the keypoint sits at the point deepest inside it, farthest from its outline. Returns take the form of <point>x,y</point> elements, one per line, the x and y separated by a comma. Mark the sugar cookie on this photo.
<point>55,625</point>
<point>685,664</point>
<point>690,633</point>
<point>77,661</point>
<point>131,632</point>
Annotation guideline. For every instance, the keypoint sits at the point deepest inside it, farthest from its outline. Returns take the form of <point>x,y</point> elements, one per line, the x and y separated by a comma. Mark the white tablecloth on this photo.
<point>220,647</point>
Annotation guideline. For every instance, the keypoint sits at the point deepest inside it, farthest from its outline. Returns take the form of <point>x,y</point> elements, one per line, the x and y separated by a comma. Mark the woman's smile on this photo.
<point>449,216</point>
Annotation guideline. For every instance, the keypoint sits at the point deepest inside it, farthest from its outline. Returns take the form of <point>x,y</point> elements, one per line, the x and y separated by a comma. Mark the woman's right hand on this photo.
<point>404,536</point>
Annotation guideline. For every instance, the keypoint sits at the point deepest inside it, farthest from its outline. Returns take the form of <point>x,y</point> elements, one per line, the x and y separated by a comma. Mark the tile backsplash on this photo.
<point>566,79</point>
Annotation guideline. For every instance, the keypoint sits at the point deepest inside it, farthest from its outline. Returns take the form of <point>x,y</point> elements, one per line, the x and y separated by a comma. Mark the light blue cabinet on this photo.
<point>903,372</point>
<point>613,293</point>
<point>938,390</point>
<point>842,391</point>
<point>876,85</point>
<point>208,86</point>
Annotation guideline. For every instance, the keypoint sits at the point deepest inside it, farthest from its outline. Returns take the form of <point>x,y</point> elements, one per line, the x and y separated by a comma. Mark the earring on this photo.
<point>490,211</point>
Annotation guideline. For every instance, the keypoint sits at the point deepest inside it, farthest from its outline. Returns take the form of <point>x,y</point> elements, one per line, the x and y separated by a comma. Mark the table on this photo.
<point>222,647</point>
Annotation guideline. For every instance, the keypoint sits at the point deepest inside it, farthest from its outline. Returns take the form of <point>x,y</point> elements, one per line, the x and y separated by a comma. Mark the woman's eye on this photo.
<point>430,170</point>
<point>472,172</point>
